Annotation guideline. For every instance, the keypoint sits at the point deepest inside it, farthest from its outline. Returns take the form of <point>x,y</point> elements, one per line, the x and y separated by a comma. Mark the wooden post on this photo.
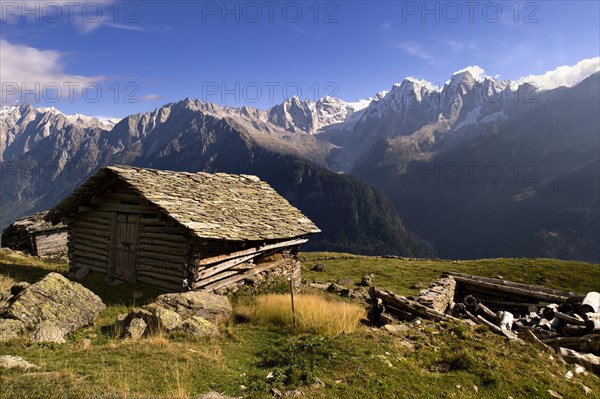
<point>292,296</point>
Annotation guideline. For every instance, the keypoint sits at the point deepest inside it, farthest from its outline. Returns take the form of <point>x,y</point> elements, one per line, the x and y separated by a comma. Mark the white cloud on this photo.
<point>564,75</point>
<point>476,71</point>
<point>85,15</point>
<point>29,74</point>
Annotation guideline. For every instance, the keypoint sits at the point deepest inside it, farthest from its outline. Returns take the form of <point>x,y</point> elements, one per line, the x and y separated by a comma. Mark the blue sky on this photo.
<point>143,54</point>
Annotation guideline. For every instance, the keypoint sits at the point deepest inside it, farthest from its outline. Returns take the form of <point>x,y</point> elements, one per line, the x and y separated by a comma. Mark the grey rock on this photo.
<point>11,362</point>
<point>163,319</point>
<point>212,307</point>
<point>81,273</point>
<point>213,395</point>
<point>318,268</point>
<point>335,288</point>
<point>367,280</point>
<point>136,328</point>
<point>10,329</point>
<point>47,331</point>
<point>66,304</point>
<point>345,282</point>
<point>397,329</point>
<point>19,287</point>
<point>198,327</point>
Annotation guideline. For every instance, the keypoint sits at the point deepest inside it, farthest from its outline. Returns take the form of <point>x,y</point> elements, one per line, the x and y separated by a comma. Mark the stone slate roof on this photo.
<point>211,206</point>
<point>35,224</point>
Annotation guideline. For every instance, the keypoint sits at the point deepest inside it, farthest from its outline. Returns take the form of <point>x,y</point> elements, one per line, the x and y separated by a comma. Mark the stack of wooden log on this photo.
<point>563,321</point>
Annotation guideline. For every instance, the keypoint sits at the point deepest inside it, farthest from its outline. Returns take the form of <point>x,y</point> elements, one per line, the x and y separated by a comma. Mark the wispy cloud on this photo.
<point>86,15</point>
<point>384,27</point>
<point>151,97</point>
<point>414,49</point>
<point>30,70</point>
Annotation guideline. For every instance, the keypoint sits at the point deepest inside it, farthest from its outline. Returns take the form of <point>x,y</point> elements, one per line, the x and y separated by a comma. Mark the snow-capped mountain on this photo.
<point>23,125</point>
<point>539,133</point>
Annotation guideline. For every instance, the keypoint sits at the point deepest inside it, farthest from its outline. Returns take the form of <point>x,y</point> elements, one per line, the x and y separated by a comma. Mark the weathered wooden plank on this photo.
<point>216,277</point>
<point>162,263</point>
<point>530,292</point>
<point>91,232</point>
<point>181,246</point>
<point>233,279</point>
<point>407,305</point>
<point>103,216</point>
<point>104,244</point>
<point>91,255</point>
<point>90,249</point>
<point>511,287</point>
<point>249,251</point>
<point>124,208</point>
<point>176,251</point>
<point>168,271</point>
<point>165,257</point>
<point>164,229</point>
<point>210,271</point>
<point>78,236</point>
<point>161,276</point>
<point>155,221</point>
<point>84,225</point>
<point>164,237</point>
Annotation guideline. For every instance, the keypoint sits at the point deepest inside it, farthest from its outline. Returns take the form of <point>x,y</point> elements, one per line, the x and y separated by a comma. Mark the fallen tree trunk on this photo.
<point>414,308</point>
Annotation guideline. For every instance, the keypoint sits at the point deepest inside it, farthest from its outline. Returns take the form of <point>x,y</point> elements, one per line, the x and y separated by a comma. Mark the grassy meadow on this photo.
<point>259,349</point>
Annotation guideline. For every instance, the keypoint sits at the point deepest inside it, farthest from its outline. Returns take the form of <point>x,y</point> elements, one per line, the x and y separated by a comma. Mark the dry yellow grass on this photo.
<point>6,282</point>
<point>314,313</point>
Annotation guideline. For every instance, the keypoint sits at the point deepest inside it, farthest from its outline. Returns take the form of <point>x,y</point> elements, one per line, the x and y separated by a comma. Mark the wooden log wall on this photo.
<point>162,249</point>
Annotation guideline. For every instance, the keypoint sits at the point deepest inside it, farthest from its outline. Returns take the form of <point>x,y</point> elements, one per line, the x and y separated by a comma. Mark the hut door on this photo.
<point>124,246</point>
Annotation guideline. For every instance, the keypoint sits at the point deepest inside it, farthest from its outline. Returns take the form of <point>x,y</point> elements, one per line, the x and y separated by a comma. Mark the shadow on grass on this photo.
<point>29,273</point>
<point>124,294</point>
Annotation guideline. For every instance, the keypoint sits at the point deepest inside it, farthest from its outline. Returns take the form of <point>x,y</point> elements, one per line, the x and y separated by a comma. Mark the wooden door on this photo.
<point>124,246</point>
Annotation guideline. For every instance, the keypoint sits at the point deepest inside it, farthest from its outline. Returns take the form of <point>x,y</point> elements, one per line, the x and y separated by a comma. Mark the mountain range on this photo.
<point>480,167</point>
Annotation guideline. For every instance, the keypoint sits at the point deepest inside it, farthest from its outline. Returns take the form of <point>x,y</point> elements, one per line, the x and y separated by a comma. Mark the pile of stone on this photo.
<point>194,312</point>
<point>562,321</point>
<point>47,311</point>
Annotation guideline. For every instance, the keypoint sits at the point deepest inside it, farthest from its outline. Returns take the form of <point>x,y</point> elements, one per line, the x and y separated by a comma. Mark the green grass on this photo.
<point>428,361</point>
<point>401,276</point>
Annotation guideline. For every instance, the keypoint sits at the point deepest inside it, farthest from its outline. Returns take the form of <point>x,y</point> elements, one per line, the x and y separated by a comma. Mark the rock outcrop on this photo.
<point>49,309</point>
<point>194,313</point>
<point>212,307</point>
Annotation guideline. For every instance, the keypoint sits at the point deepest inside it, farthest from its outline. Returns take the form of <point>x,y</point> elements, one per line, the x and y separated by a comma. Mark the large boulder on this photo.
<point>212,307</point>
<point>163,319</point>
<point>10,329</point>
<point>198,327</point>
<point>62,305</point>
<point>47,331</point>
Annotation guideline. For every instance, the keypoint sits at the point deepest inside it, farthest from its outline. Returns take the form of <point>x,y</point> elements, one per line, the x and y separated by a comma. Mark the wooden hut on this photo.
<point>36,236</point>
<point>179,231</point>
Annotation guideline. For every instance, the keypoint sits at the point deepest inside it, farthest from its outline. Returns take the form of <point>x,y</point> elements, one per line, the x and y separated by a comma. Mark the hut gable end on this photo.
<point>178,230</point>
